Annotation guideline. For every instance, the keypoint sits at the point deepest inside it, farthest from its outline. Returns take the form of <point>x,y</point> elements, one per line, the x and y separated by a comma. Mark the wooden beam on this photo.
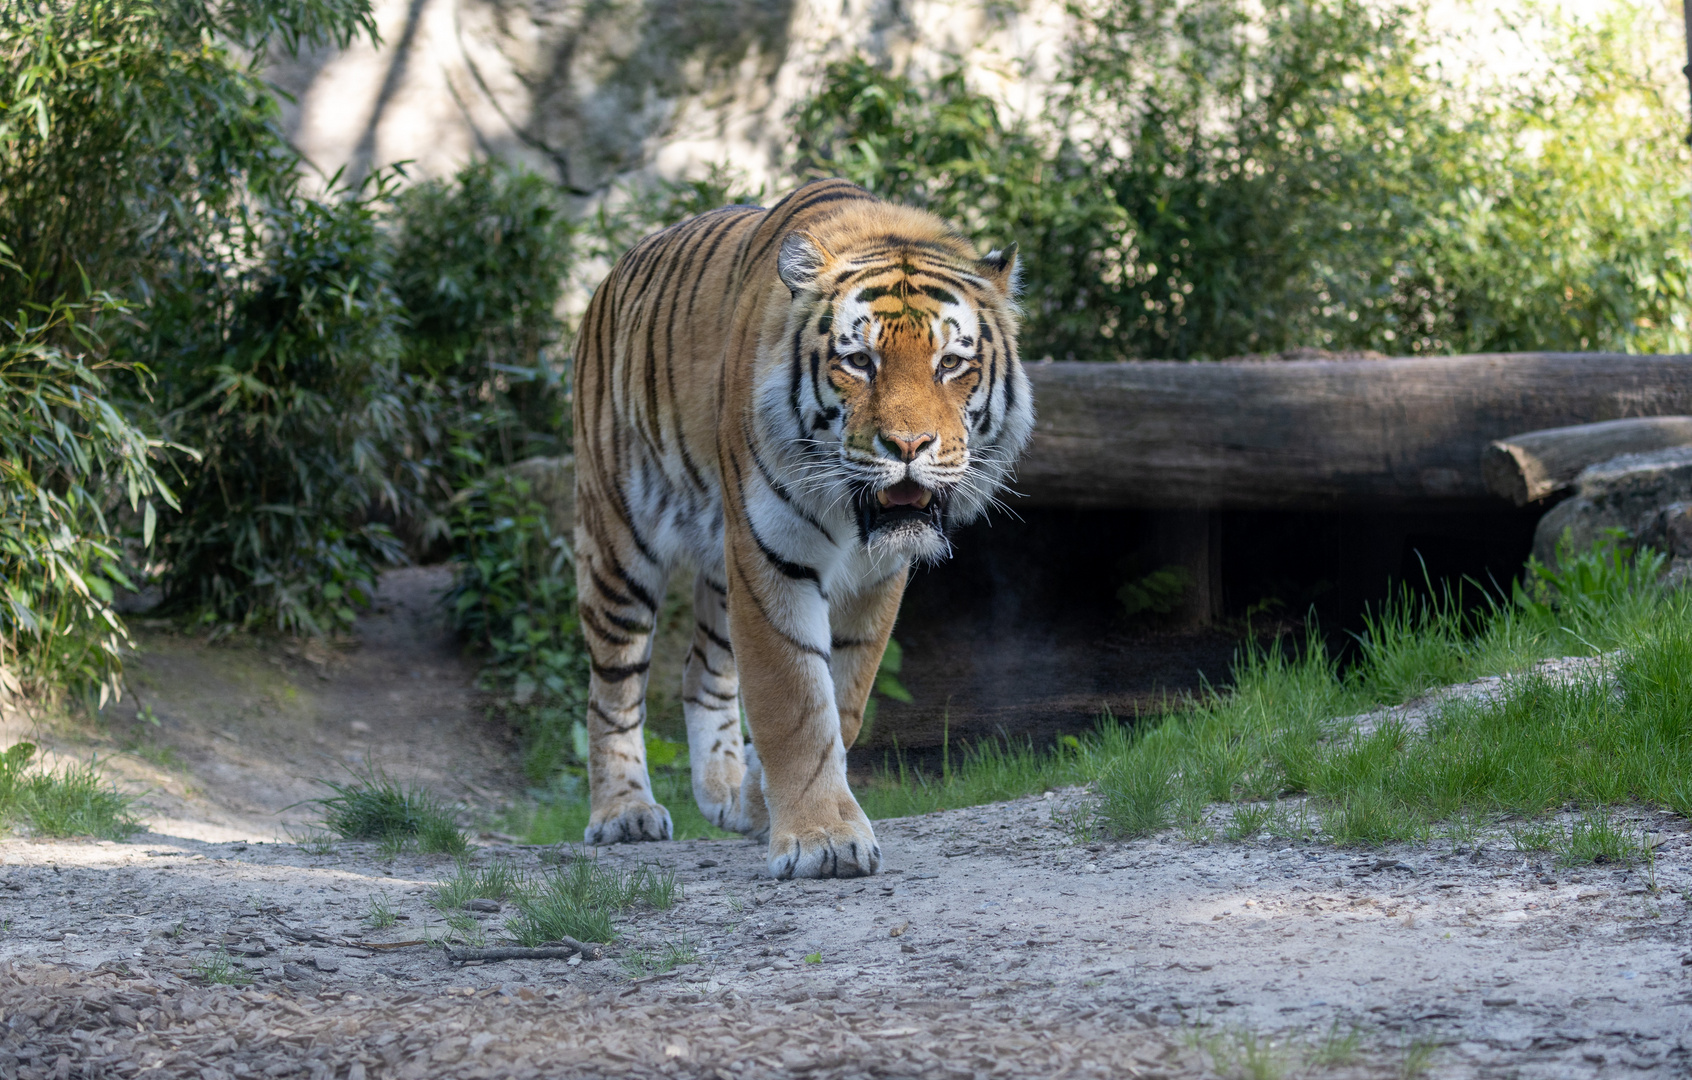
<point>1526,468</point>
<point>1315,434</point>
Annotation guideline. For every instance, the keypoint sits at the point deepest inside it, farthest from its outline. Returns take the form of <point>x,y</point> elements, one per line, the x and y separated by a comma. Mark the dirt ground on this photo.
<point>998,943</point>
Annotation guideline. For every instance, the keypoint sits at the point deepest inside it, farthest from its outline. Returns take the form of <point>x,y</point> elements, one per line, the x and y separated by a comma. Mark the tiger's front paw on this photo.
<point>844,848</point>
<point>627,822</point>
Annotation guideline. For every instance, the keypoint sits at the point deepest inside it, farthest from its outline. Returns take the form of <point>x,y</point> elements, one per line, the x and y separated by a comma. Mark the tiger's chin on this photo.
<point>909,525</point>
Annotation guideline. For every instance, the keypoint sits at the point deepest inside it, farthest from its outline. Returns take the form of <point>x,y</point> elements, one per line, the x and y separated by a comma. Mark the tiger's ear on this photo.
<point>1003,269</point>
<point>800,261</point>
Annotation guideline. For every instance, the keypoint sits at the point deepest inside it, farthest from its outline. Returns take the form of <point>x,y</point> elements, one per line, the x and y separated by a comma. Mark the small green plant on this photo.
<point>1157,593</point>
<point>380,914</point>
<point>887,685</point>
<point>1418,1055</point>
<point>814,957</point>
<point>498,880</point>
<point>1337,1050</point>
<point>1247,822</point>
<point>1597,837</point>
<point>652,960</point>
<point>372,806</point>
<point>317,842</point>
<point>220,969</point>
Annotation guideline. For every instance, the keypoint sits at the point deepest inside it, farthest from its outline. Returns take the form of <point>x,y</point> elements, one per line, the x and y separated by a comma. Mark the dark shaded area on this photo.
<point>1022,632</point>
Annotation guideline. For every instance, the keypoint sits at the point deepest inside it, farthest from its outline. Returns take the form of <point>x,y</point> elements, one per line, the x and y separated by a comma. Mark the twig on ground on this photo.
<point>561,949</point>
<point>638,983</point>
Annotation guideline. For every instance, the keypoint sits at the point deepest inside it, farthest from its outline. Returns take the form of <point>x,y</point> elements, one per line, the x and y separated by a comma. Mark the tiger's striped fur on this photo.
<point>800,402</point>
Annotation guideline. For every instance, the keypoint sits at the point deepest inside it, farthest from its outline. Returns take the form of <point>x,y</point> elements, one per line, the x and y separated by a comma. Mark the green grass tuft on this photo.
<point>578,899</point>
<point>71,801</point>
<point>371,806</point>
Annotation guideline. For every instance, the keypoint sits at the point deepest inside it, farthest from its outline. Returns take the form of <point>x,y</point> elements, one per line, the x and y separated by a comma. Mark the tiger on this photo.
<point>800,403</point>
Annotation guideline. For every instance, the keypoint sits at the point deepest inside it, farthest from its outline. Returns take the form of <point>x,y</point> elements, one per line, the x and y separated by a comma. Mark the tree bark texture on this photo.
<point>1526,468</point>
<point>1403,434</point>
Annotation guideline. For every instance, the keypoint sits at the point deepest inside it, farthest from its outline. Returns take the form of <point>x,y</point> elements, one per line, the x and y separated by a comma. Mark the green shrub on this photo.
<point>479,263</point>
<point>68,460</point>
<point>278,360</point>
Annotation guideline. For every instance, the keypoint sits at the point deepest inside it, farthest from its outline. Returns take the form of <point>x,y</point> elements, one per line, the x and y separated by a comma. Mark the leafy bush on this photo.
<point>514,600</point>
<point>141,154</point>
<point>68,460</point>
<point>279,358</point>
<point>1226,178</point>
<point>479,264</point>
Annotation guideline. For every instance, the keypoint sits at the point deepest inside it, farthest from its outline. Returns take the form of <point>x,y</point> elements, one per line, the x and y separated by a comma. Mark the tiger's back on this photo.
<point>798,401</point>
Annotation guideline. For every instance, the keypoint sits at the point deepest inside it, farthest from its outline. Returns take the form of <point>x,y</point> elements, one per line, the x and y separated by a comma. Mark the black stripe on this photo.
<point>618,673</point>
<point>633,586</point>
<point>616,728</point>
<point>848,643</point>
<point>706,664</point>
<point>852,193</point>
<point>796,571</point>
<point>632,625</point>
<point>716,639</point>
<point>590,620</point>
<point>783,634</point>
<point>781,491</point>
<point>608,591</point>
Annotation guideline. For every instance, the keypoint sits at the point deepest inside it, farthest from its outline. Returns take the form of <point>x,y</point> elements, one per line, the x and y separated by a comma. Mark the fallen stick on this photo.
<point>638,983</point>
<point>507,952</point>
<point>386,944</point>
<point>562,949</point>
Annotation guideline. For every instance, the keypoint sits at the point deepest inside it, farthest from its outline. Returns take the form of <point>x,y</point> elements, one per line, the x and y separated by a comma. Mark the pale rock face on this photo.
<point>591,91</point>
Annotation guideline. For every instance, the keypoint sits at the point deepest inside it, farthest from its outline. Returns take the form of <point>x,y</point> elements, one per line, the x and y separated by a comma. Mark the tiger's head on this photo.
<point>905,393</point>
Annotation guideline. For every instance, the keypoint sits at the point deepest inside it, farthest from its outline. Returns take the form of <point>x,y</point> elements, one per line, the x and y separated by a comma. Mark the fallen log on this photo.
<point>1315,434</point>
<point>1526,468</point>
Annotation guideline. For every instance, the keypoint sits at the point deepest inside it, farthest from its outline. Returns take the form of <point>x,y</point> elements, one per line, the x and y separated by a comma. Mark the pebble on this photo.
<point>53,935</point>
<point>326,963</point>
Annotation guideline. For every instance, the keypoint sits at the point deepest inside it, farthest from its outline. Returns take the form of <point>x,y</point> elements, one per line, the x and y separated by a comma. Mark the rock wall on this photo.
<point>587,91</point>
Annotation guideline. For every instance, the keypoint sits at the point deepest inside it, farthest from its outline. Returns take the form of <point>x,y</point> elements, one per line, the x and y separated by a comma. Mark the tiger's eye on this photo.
<point>861,361</point>
<point>949,361</point>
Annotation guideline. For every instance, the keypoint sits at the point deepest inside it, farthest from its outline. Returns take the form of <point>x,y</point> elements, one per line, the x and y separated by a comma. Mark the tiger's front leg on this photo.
<point>779,625</point>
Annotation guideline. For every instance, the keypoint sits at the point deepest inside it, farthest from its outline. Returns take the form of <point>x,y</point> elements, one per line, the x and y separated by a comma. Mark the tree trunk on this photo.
<point>1526,468</point>
<point>1360,434</point>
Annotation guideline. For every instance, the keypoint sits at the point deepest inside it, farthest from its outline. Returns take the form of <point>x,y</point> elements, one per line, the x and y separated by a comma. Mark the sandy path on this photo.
<point>1020,953</point>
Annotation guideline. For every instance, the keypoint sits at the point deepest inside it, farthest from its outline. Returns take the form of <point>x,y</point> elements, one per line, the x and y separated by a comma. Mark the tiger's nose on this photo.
<point>908,446</point>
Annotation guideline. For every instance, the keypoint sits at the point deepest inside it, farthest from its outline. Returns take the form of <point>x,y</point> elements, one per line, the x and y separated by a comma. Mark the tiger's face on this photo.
<point>910,400</point>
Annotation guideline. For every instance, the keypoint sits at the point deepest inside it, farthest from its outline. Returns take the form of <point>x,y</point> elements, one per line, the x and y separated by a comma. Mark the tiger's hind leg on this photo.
<point>619,591</point>
<point>726,779</point>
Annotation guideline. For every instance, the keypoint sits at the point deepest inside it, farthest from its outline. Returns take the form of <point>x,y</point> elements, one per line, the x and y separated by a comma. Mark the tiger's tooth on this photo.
<point>924,499</point>
<point>881,497</point>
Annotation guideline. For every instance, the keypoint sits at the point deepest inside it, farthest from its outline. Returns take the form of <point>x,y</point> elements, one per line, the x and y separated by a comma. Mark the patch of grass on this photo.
<point>372,806</point>
<point>989,771</point>
<point>1541,743</point>
<point>578,899</point>
<point>1336,1050</point>
<point>380,915</point>
<point>219,968</point>
<point>70,801</point>
<point>656,960</point>
<point>498,880</point>
<point>1247,822</point>
<point>1599,838</point>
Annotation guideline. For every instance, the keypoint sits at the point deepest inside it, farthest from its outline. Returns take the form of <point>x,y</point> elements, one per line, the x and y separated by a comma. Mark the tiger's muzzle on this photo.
<point>904,515</point>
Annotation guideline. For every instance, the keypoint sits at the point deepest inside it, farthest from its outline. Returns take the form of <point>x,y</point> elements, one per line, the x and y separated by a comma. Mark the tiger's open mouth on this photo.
<point>905,505</point>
